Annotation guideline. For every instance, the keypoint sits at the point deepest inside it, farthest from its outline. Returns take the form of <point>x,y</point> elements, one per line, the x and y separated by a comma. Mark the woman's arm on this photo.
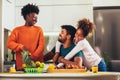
<point>12,42</point>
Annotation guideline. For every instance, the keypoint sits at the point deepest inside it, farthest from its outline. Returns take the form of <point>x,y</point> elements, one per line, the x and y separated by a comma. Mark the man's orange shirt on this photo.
<point>30,37</point>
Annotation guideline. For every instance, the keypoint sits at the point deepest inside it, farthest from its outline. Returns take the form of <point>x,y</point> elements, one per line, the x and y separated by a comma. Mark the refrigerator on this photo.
<point>107,34</point>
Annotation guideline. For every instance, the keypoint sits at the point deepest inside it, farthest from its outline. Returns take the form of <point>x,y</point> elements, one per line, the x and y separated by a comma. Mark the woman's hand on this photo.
<point>24,48</point>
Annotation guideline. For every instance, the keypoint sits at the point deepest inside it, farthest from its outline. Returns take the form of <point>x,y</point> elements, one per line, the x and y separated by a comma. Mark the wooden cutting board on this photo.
<point>66,71</point>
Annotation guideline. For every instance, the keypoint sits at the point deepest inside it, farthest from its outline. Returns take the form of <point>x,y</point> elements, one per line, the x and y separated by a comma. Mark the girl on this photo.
<point>90,57</point>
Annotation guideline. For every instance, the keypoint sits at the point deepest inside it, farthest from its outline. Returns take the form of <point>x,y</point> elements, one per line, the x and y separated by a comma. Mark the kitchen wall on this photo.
<point>8,20</point>
<point>54,13</point>
<point>103,3</point>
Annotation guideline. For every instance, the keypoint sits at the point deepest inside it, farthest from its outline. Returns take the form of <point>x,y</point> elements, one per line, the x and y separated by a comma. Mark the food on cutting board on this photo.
<point>73,66</point>
<point>68,68</point>
<point>51,67</point>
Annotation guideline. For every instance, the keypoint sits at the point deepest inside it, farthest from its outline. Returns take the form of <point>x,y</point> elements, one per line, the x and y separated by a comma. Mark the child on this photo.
<point>90,57</point>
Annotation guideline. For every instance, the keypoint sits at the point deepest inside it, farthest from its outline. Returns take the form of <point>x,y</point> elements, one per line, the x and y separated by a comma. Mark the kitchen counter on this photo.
<point>60,76</point>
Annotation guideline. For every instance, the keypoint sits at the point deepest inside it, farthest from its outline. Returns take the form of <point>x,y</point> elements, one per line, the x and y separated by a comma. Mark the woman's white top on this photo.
<point>90,57</point>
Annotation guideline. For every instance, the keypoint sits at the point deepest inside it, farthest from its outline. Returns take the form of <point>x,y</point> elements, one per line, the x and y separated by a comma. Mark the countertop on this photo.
<point>59,76</point>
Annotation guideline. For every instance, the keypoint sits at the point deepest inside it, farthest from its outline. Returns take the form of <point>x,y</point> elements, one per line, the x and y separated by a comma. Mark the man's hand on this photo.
<point>60,59</point>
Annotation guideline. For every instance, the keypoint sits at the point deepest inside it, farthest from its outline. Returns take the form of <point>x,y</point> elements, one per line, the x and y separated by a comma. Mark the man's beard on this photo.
<point>60,40</point>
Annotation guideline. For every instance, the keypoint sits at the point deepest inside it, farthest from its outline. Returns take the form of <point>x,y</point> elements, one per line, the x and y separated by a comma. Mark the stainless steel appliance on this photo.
<point>107,20</point>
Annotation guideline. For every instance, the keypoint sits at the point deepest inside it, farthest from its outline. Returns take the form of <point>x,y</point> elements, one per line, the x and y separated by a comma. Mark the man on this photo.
<point>66,36</point>
<point>27,37</point>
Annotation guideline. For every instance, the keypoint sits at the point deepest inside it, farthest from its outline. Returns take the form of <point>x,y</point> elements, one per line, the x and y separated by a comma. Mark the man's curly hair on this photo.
<point>29,8</point>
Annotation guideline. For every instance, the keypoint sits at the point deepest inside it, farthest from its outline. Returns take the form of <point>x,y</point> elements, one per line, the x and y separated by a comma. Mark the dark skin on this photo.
<point>48,56</point>
<point>66,43</point>
<point>31,19</point>
<point>76,61</point>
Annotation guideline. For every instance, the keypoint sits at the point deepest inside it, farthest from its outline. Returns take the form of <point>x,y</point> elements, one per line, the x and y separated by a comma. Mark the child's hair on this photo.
<point>86,26</point>
<point>29,8</point>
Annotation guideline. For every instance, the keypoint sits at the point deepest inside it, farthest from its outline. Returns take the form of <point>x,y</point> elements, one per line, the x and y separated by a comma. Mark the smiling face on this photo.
<point>79,35</point>
<point>63,36</point>
<point>31,19</point>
